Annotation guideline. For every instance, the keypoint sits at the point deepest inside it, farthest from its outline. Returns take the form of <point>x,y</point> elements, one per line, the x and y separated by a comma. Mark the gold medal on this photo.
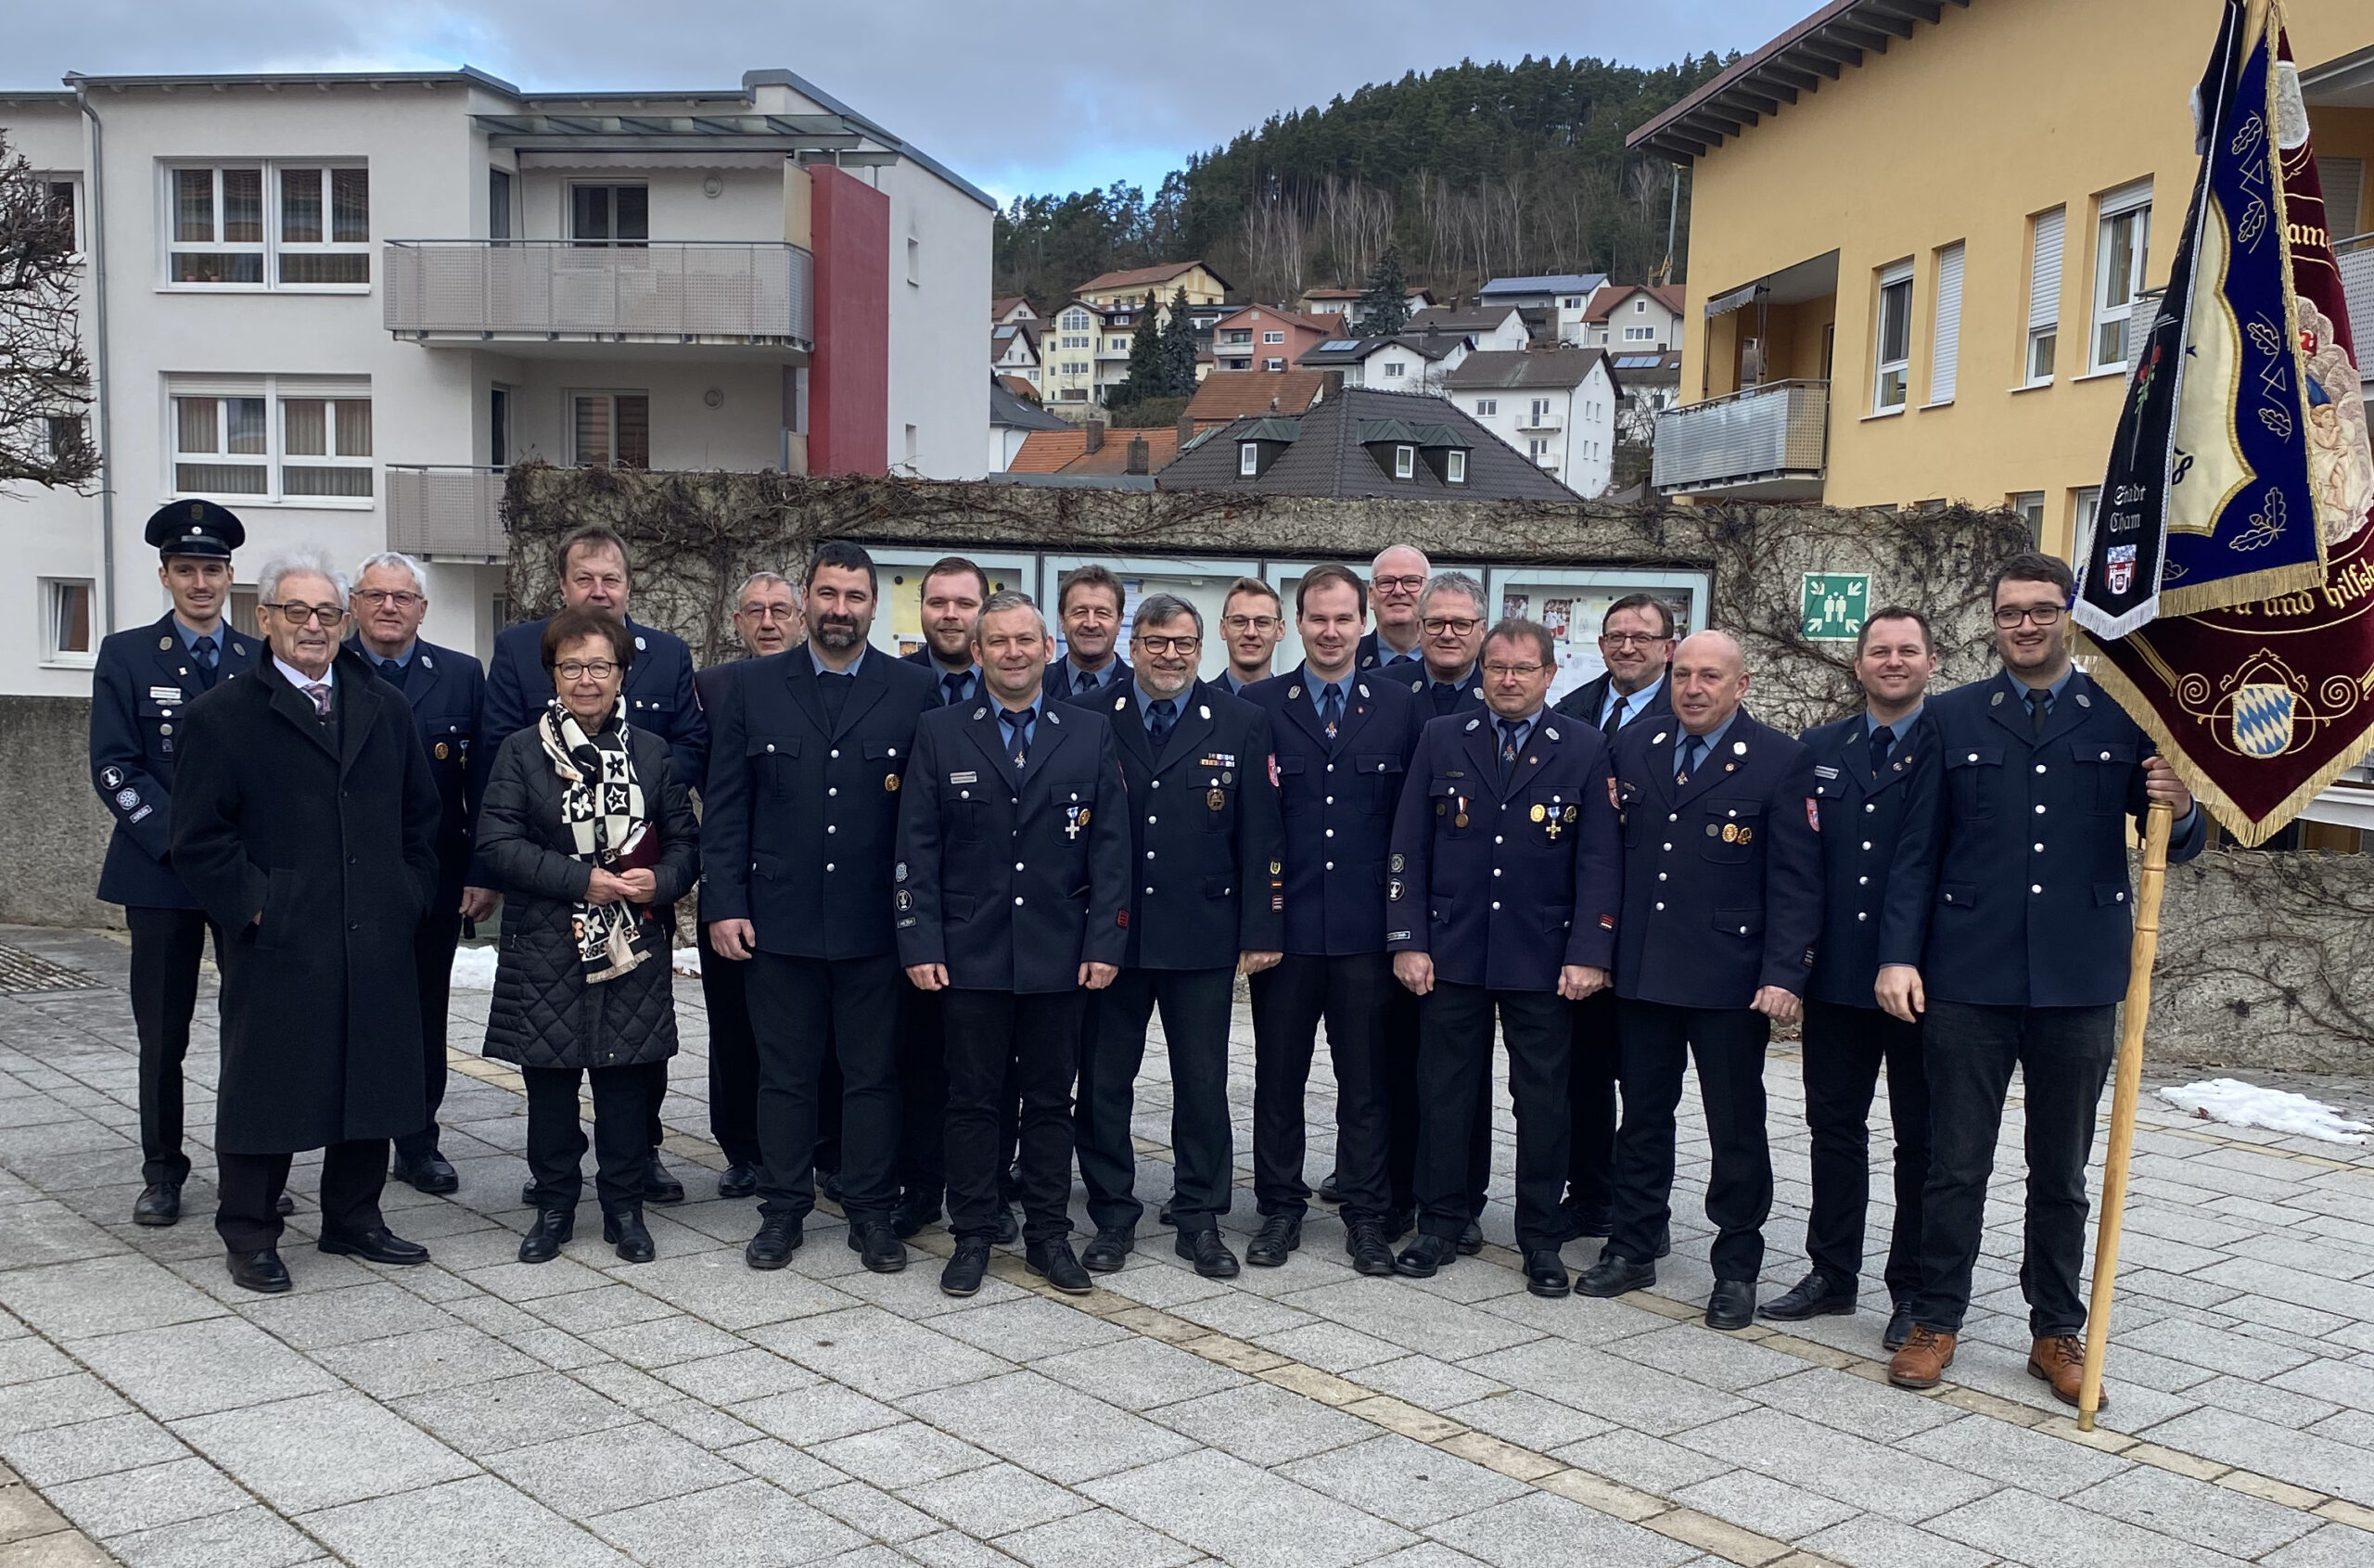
<point>1747,833</point>
<point>890,782</point>
<point>1571,812</point>
<point>440,751</point>
<point>1460,821</point>
<point>1539,812</point>
<point>1730,833</point>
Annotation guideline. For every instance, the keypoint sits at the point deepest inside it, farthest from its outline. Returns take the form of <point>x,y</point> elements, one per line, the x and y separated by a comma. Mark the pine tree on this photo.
<point>1179,348</point>
<point>1146,378</point>
<point>1385,305</point>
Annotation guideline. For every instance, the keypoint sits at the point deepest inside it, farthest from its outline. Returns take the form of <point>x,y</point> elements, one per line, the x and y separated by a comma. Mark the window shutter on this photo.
<point>2343,180</point>
<point>1946,357</point>
<point>2044,271</point>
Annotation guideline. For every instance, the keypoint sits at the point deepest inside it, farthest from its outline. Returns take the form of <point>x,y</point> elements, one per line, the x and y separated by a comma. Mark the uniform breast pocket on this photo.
<point>656,714</point>
<point>960,813</point>
<point>1216,804</point>
<point>886,764</point>
<point>1975,775</point>
<point>159,724</point>
<point>1380,781</point>
<point>1728,832</point>
<point>1551,813</point>
<point>1452,806</point>
<point>1294,793</point>
<point>1829,798</point>
<point>2111,769</point>
<point>775,764</point>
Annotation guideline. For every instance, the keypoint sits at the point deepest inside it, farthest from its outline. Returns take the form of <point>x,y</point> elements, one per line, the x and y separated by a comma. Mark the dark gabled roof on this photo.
<point>1546,283</point>
<point>1339,351</point>
<point>1019,415</point>
<point>1510,369</point>
<point>1326,457</point>
<point>1646,367</point>
<point>1473,318</point>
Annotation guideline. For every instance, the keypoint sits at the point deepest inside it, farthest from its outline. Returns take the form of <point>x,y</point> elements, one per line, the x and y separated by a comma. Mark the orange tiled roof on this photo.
<point>1139,277</point>
<point>1240,392</point>
<point>1066,452</point>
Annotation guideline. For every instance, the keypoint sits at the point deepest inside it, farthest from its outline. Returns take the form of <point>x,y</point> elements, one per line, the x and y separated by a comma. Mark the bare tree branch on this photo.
<point>44,381</point>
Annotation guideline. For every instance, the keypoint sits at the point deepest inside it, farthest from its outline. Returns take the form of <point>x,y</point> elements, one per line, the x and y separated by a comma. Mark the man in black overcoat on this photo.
<point>305,822</point>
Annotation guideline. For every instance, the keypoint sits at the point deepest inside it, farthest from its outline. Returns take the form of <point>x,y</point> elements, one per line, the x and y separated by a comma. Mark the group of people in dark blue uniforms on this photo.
<point>944,896</point>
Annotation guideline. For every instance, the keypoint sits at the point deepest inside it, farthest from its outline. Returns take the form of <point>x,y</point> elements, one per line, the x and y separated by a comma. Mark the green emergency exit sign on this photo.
<point>1832,606</point>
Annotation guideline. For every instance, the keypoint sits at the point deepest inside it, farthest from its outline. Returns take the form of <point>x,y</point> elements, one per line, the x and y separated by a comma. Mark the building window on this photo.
<point>609,214</point>
<point>498,427</point>
<point>1248,459</point>
<point>1895,344</point>
<point>2089,501</point>
<point>61,202</point>
<point>1393,368</point>
<point>2119,244</point>
<point>67,608</point>
<point>1273,338</point>
<point>916,262</point>
<point>1273,365</point>
<point>1539,418</point>
<point>610,430</point>
<point>1405,462</point>
<point>279,441</point>
<point>1455,467</point>
<point>218,226</point>
<point>319,236</point>
<point>1571,302</point>
<point>68,433</point>
<point>1538,452</point>
<point>2029,504</point>
<point>1236,336</point>
<point>1945,341</point>
<point>1639,307</point>
<point>1488,407</point>
<point>1639,335</point>
<point>498,204</point>
<point>2045,243</point>
<point>324,226</point>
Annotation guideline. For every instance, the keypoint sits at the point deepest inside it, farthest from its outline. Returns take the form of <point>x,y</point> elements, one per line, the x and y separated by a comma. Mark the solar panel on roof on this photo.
<point>1338,344</point>
<point>1636,362</point>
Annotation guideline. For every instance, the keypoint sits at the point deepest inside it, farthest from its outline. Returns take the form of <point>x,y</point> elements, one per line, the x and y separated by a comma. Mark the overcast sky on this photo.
<point>1016,95</point>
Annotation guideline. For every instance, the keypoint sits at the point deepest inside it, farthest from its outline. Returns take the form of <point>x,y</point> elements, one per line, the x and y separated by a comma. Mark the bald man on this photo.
<point>1396,580</point>
<point>1722,904</point>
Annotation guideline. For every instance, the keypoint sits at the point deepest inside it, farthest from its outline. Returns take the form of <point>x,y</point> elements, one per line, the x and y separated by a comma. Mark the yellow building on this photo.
<point>1918,232</point>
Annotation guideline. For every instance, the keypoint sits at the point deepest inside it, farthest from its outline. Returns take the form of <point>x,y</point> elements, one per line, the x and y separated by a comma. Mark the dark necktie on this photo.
<point>2039,708</point>
<point>1692,749</point>
<point>952,687</point>
<point>1084,683</point>
<point>1614,720</point>
<point>1511,731</point>
<point>834,690</point>
<point>203,651</point>
<point>392,673</point>
<point>1161,714</point>
<point>1882,743</point>
<point>1331,709</point>
<point>1017,734</point>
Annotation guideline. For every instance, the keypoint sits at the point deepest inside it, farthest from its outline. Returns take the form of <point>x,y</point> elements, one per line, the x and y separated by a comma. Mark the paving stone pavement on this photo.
<point>691,1412</point>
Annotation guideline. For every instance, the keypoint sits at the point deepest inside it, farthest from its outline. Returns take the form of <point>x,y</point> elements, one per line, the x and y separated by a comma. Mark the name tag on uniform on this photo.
<point>965,778</point>
<point>164,694</point>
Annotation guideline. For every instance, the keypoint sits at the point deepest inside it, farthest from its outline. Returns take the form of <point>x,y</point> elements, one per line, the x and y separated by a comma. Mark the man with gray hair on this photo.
<point>1397,578</point>
<point>1207,900</point>
<point>446,690</point>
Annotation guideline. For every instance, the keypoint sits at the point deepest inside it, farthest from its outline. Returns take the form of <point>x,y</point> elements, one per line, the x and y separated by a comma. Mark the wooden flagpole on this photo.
<point>2128,1091</point>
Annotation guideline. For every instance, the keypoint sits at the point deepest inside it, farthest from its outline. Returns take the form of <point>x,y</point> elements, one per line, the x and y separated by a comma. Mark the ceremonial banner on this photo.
<point>2240,455</point>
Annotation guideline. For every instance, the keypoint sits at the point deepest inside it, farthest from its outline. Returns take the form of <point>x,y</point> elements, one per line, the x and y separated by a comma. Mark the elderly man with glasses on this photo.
<point>1396,581</point>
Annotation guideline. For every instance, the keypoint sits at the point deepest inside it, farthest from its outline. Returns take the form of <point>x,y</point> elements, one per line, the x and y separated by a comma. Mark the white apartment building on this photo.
<point>1557,406</point>
<point>1634,319</point>
<point>1567,294</point>
<point>342,304</point>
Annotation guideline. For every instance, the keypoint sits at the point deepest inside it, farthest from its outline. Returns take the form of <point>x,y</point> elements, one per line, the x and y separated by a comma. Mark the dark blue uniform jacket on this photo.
<point>143,681</point>
<point>447,694</point>
<point>1868,910</point>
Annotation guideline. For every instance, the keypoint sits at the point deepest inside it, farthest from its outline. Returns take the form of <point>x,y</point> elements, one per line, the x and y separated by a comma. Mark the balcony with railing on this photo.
<point>1766,443</point>
<point>723,294</point>
<point>446,512</point>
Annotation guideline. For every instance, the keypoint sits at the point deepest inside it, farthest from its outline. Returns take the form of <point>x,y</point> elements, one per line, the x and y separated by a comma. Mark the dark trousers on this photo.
<point>2064,1054</point>
<point>433,944</point>
<point>556,1140</point>
<point>1590,1092</point>
<point>1844,1048</point>
<point>923,1101</point>
<point>1196,1004</point>
<point>166,947</point>
<point>1657,1042</point>
<point>1349,993</point>
<point>732,1054</point>
<point>249,1188</point>
<point>1402,1031</point>
<point>1000,1045</point>
<point>805,1010</point>
<point>1455,1071</point>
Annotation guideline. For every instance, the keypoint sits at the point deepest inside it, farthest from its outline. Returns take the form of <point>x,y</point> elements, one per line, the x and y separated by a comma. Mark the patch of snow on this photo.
<point>474,969</point>
<point>686,960</point>
<point>2246,1104</point>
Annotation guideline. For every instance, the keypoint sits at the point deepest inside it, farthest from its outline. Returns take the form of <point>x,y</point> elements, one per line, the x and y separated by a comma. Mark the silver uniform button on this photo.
<point>2035,886</point>
<point>1017,901</point>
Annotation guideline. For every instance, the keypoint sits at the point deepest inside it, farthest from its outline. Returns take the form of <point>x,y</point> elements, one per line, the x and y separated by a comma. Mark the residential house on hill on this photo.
<point>1012,309</point>
<point>1089,451</point>
<point>1635,318</point>
<point>1203,285</point>
<point>1412,362</point>
<point>1223,398</point>
<point>1265,338</point>
<point>1651,383</point>
<point>1491,326</point>
<point>1361,443</point>
<point>1346,302</point>
<point>1565,295</point>
<point>1013,351</point>
<point>1011,420</point>
<point>1555,405</point>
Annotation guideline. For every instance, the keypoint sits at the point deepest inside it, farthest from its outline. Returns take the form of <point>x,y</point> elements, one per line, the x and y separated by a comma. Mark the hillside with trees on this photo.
<point>1468,172</point>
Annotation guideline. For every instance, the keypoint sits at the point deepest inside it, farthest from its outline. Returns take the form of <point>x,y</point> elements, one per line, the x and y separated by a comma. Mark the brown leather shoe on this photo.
<point>1922,1361</point>
<point>2061,1361</point>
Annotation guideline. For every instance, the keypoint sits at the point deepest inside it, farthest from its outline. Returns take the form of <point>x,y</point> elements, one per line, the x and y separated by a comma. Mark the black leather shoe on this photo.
<point>966,1266</point>
<point>1053,1261</point>
<point>1613,1276</point>
<point>431,1173</point>
<point>1009,1226</point>
<point>1470,1240</point>
<point>1280,1233</point>
<point>160,1204</point>
<point>1108,1249</point>
<point>259,1271</point>
<point>737,1181</point>
<point>544,1239</point>
<point>779,1236</point>
<point>1816,1295</point>
<point>878,1247</point>
<point>528,1191</point>
<point>1208,1253</point>
<point>1732,1304</point>
<point>1371,1254</point>
<point>916,1212</point>
<point>1545,1273</point>
<point>624,1231</point>
<point>377,1245</point>
<point>1424,1255</point>
<point>659,1187</point>
<point>828,1185</point>
<point>284,1205</point>
<point>1899,1327</point>
<point>1327,1190</point>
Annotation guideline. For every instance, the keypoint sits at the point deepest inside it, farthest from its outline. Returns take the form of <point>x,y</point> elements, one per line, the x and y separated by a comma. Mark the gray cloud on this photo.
<point>1026,94</point>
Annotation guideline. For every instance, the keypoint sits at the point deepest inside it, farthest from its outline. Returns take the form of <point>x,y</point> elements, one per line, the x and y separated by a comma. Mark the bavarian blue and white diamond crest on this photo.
<point>2263,720</point>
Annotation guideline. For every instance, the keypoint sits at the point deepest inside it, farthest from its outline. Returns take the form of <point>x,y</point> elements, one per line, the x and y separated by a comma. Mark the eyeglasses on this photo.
<point>770,612</point>
<point>1250,622</point>
<point>2009,617</point>
<point>1519,671</point>
<point>1397,585</point>
<point>1460,628</point>
<point>298,614</point>
<point>1168,645</point>
<point>585,669</point>
<point>399,597</point>
<point>1632,639</point>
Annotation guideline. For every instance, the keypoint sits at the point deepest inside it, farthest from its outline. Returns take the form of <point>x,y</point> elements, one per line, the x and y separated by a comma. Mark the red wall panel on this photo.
<point>848,384</point>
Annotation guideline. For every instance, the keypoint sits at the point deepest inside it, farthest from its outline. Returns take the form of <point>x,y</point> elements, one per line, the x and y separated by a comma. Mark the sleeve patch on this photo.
<point>1121,919</point>
<point>1813,813</point>
<point>1607,923</point>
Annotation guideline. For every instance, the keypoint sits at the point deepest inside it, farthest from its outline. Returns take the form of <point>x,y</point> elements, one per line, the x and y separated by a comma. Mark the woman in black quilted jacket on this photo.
<point>592,838</point>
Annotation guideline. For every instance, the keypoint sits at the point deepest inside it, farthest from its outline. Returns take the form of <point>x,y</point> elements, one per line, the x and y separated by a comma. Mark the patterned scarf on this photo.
<point>601,805</point>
